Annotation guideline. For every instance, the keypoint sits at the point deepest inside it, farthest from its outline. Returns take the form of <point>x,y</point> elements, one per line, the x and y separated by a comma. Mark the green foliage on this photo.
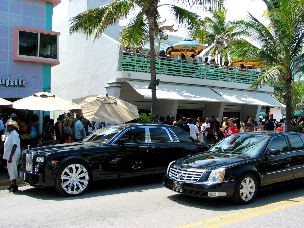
<point>146,118</point>
<point>297,128</point>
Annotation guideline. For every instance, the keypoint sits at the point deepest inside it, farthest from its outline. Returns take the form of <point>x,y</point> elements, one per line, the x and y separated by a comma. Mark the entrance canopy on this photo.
<point>250,98</point>
<point>207,94</point>
<point>177,92</point>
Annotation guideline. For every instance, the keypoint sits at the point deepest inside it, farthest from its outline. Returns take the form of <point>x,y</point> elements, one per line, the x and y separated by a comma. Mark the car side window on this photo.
<point>278,143</point>
<point>159,135</point>
<point>134,135</point>
<point>295,142</point>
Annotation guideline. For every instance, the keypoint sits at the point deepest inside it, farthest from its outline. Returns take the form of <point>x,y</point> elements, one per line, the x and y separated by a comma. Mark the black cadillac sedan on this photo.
<point>113,152</point>
<point>239,165</point>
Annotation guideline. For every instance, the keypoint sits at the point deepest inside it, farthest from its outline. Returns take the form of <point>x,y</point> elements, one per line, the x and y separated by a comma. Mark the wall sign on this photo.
<point>12,83</point>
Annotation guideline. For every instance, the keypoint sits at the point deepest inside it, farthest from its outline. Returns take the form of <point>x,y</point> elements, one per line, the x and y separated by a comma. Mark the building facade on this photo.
<point>28,47</point>
<point>92,67</point>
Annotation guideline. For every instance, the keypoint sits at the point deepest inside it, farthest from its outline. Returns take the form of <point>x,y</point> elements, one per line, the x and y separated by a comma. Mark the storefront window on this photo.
<point>30,43</point>
<point>36,45</point>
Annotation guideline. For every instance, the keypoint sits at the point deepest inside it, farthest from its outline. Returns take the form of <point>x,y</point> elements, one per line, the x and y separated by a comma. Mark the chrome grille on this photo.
<point>185,175</point>
<point>29,162</point>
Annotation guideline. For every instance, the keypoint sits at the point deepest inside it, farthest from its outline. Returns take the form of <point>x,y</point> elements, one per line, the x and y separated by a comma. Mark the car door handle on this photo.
<point>147,148</point>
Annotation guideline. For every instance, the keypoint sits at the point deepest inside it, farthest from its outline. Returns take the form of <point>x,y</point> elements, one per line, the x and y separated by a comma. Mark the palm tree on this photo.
<point>142,27</point>
<point>215,31</point>
<point>279,46</point>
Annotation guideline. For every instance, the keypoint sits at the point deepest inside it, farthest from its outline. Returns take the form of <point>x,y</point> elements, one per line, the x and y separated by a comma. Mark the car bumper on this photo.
<point>36,179</point>
<point>200,189</point>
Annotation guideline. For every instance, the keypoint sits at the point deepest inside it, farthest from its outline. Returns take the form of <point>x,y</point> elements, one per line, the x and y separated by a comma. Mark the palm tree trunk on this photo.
<point>152,67</point>
<point>288,103</point>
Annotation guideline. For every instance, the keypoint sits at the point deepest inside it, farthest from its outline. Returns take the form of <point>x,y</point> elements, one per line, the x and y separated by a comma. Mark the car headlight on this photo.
<point>217,176</point>
<point>40,159</point>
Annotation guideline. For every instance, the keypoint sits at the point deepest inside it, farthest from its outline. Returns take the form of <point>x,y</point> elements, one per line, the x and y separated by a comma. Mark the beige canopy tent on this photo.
<point>4,102</point>
<point>45,101</point>
<point>107,109</point>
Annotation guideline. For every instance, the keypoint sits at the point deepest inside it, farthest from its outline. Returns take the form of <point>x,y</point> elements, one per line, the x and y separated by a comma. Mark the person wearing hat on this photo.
<point>269,123</point>
<point>12,153</point>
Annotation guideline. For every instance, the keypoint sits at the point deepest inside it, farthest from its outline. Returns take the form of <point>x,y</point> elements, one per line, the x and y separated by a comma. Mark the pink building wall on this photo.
<point>33,14</point>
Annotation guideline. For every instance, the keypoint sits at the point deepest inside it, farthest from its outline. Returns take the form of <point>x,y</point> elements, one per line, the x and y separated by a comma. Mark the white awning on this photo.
<point>250,98</point>
<point>178,92</point>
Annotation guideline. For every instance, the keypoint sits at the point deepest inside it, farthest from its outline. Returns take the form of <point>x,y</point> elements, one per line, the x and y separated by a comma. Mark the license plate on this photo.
<point>177,186</point>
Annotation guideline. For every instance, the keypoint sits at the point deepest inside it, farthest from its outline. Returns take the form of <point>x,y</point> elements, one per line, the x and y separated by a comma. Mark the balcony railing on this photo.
<point>180,69</point>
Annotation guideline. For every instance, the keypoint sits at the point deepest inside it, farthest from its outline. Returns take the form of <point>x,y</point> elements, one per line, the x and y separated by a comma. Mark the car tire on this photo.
<point>245,189</point>
<point>73,178</point>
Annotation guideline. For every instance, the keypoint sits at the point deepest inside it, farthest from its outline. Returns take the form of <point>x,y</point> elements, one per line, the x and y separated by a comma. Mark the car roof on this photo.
<point>270,133</point>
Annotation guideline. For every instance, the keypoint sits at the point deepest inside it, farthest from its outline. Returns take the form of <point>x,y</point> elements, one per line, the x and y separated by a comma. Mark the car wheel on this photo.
<point>72,179</point>
<point>245,189</point>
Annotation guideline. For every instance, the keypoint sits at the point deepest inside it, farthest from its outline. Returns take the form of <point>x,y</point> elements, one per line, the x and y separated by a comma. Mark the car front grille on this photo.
<point>185,175</point>
<point>29,162</point>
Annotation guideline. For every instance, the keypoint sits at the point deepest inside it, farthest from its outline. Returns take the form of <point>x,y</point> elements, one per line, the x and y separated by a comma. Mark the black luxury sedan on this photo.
<point>239,165</point>
<point>114,152</point>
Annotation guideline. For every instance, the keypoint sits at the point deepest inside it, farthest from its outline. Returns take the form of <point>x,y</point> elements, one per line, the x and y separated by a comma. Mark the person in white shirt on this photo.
<point>204,127</point>
<point>12,153</point>
<point>193,129</point>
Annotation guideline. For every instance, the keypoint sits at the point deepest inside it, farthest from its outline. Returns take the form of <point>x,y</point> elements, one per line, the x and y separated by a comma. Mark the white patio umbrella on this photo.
<point>45,101</point>
<point>106,108</point>
<point>4,102</point>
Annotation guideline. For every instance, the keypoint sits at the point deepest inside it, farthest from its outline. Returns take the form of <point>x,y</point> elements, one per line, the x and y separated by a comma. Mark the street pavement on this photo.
<point>4,180</point>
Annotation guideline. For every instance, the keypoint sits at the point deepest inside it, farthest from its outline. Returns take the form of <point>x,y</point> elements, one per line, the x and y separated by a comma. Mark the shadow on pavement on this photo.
<point>98,188</point>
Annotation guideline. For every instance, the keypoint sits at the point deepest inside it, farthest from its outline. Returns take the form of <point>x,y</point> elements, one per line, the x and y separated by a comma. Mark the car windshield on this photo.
<point>245,145</point>
<point>104,135</point>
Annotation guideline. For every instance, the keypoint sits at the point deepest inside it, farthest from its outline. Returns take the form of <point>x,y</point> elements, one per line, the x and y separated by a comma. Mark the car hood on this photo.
<point>208,160</point>
<point>59,148</point>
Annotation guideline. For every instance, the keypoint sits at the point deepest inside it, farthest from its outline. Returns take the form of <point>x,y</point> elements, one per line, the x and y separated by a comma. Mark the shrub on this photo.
<point>297,128</point>
<point>145,118</point>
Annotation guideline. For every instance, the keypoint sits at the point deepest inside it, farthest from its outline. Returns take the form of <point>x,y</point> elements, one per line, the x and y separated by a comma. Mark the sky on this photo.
<point>236,10</point>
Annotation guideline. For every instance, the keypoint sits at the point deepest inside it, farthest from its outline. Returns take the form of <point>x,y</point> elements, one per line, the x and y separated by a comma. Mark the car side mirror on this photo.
<point>274,152</point>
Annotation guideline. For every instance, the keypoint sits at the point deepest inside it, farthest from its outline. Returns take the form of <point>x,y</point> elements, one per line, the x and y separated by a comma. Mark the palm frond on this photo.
<point>271,74</point>
<point>136,33</point>
<point>95,21</point>
<point>184,17</point>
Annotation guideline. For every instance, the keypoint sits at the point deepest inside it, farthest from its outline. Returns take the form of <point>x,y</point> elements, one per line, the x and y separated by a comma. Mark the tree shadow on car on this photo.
<point>97,188</point>
<point>286,191</point>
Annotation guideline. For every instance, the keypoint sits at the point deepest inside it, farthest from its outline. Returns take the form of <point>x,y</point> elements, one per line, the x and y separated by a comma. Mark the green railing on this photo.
<point>176,68</point>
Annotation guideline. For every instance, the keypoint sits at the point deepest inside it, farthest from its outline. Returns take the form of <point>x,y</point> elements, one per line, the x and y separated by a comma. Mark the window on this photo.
<point>36,45</point>
<point>134,135</point>
<point>159,135</point>
<point>295,142</point>
<point>278,143</point>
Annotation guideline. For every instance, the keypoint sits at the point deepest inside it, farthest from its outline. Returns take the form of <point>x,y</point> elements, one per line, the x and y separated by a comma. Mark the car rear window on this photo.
<point>181,134</point>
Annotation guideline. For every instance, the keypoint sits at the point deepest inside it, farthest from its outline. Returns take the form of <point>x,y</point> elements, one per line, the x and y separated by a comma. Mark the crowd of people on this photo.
<point>210,130</point>
<point>191,58</point>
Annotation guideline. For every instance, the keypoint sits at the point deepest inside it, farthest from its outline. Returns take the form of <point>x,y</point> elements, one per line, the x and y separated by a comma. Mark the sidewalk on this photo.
<point>5,181</point>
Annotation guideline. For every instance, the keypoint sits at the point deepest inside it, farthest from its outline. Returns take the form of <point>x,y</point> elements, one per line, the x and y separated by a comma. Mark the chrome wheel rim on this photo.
<point>247,189</point>
<point>74,179</point>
